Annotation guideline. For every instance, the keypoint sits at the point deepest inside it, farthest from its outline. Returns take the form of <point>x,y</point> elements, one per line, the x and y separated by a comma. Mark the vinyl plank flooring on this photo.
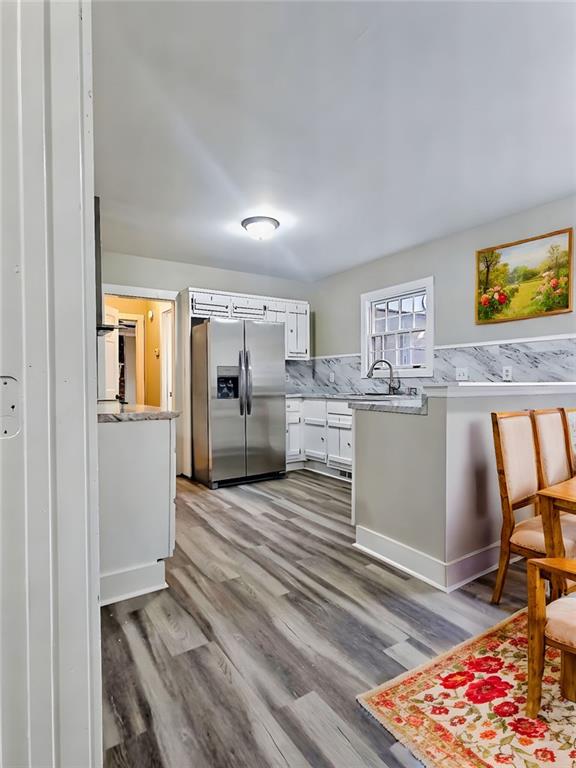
<point>271,625</point>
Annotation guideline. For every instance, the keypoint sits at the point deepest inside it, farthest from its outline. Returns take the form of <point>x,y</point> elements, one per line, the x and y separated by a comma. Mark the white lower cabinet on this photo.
<point>319,430</point>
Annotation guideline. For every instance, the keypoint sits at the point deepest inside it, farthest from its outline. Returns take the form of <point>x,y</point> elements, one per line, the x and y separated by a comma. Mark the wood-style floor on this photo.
<point>271,626</point>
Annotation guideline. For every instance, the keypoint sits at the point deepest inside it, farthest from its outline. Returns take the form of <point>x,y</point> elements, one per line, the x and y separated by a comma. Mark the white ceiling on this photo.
<point>365,128</point>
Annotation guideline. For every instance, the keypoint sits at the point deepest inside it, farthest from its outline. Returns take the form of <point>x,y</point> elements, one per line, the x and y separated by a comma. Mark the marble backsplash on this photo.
<point>542,360</point>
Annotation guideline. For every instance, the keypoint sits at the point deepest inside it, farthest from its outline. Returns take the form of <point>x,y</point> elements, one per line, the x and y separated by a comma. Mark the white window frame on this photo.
<point>392,292</point>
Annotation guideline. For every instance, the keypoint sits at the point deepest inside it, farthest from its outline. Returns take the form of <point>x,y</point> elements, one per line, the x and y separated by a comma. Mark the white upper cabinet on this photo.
<point>297,327</point>
<point>294,314</point>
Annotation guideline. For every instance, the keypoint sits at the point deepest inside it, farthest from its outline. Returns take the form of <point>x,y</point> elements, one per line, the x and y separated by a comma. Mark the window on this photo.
<point>398,326</point>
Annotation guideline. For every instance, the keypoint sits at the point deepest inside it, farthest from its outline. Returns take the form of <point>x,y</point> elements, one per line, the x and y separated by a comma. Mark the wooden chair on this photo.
<point>553,446</point>
<point>518,479</point>
<point>570,421</point>
<point>550,625</point>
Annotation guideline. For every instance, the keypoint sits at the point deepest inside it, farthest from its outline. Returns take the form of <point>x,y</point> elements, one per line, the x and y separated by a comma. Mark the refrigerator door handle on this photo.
<point>241,382</point>
<point>248,383</point>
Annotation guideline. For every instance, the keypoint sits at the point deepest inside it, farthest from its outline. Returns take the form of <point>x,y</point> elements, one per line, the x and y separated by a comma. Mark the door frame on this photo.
<point>167,403</point>
<point>50,656</point>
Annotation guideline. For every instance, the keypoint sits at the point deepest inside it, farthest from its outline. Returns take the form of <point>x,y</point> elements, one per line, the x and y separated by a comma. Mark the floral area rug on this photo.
<point>466,709</point>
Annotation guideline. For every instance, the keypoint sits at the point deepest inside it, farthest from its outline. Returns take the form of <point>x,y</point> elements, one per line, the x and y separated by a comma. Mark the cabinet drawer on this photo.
<point>314,410</point>
<point>293,405</point>
<point>338,407</point>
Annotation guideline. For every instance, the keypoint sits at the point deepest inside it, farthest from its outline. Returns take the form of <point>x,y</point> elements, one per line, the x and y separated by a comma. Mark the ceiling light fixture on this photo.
<point>260,227</point>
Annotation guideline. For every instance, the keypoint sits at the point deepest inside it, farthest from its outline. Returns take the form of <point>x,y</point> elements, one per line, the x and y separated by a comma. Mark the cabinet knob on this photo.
<point>322,439</point>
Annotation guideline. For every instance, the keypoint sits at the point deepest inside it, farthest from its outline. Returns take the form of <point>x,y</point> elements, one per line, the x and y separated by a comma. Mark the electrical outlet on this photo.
<point>461,374</point>
<point>507,373</point>
<point>331,377</point>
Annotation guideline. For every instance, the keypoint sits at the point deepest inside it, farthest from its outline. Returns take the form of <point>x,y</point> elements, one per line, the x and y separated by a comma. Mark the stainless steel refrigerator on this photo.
<point>238,401</point>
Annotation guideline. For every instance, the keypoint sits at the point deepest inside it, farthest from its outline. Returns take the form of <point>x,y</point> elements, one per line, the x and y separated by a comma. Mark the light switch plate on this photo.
<point>461,374</point>
<point>507,373</point>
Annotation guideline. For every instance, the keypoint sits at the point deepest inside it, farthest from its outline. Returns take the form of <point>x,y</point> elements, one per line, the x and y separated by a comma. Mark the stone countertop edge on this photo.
<point>109,414</point>
<point>411,410</point>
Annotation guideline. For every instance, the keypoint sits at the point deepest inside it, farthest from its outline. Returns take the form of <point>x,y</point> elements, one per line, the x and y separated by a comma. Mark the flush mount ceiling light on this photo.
<point>260,227</point>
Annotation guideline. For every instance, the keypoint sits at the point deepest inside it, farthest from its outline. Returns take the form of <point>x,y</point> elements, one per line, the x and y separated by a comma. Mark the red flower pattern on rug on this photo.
<point>466,709</point>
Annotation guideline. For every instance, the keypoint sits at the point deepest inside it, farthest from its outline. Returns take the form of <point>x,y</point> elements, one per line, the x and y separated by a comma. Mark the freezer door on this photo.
<point>265,398</point>
<point>227,420</point>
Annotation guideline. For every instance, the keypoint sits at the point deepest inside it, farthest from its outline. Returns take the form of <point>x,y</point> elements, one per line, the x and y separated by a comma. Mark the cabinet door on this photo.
<point>243,306</point>
<point>291,334</point>
<point>333,442</point>
<point>293,437</point>
<point>346,446</point>
<point>315,442</point>
<point>303,333</point>
<point>210,305</point>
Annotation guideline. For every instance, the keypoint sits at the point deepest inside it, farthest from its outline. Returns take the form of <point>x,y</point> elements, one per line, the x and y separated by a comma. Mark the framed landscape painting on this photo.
<point>526,279</point>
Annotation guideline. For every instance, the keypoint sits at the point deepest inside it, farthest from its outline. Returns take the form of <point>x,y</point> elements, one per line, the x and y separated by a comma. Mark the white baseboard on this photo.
<point>446,576</point>
<point>122,585</point>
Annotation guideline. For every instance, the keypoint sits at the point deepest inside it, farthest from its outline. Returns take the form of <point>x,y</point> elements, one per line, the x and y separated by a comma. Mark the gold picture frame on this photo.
<point>525,279</point>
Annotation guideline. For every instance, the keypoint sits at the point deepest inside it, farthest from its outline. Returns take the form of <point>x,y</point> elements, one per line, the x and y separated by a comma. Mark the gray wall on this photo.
<point>124,269</point>
<point>336,299</point>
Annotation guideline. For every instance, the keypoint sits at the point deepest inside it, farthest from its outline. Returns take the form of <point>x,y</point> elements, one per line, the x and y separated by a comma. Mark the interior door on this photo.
<point>111,355</point>
<point>227,420</point>
<point>266,398</point>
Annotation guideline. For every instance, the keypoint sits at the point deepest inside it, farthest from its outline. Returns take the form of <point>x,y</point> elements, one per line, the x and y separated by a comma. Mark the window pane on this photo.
<point>407,304</point>
<point>404,357</point>
<point>379,325</point>
<point>393,320</point>
<point>419,303</point>
<point>390,341</point>
<point>418,338</point>
<point>406,322</point>
<point>403,340</point>
<point>420,320</point>
<point>390,355</point>
<point>376,347</point>
<point>418,356</point>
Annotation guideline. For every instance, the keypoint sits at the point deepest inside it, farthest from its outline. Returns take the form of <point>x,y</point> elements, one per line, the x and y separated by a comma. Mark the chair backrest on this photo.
<point>552,446</point>
<point>516,461</point>
<point>570,416</point>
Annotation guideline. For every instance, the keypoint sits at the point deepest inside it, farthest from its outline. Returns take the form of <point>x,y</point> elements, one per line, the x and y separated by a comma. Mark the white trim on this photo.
<point>393,291</point>
<point>444,575</point>
<point>139,293</point>
<point>121,585</point>
<point>50,660</point>
<point>500,342</point>
<point>494,343</point>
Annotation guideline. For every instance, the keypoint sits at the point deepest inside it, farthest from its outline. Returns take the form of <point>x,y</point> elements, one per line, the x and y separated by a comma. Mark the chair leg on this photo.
<point>536,639</point>
<point>502,571</point>
<point>536,650</point>
<point>568,676</point>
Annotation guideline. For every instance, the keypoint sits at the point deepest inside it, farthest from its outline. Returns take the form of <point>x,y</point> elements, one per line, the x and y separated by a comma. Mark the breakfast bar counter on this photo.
<point>425,488</point>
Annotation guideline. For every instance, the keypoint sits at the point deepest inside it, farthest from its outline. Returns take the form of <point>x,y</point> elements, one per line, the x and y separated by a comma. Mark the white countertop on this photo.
<point>111,411</point>
<point>493,389</point>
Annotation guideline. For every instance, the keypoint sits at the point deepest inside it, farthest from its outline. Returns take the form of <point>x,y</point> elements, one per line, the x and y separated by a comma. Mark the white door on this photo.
<point>111,355</point>
<point>167,358</point>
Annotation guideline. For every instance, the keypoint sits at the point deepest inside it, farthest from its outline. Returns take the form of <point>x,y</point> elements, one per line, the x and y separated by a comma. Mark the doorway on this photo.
<point>137,356</point>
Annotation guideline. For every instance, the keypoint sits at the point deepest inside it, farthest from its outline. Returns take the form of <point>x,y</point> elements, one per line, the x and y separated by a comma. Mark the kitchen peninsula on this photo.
<point>137,488</point>
<point>425,489</point>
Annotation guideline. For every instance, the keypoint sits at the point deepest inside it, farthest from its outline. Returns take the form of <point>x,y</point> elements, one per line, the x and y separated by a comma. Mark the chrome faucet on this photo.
<point>393,385</point>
